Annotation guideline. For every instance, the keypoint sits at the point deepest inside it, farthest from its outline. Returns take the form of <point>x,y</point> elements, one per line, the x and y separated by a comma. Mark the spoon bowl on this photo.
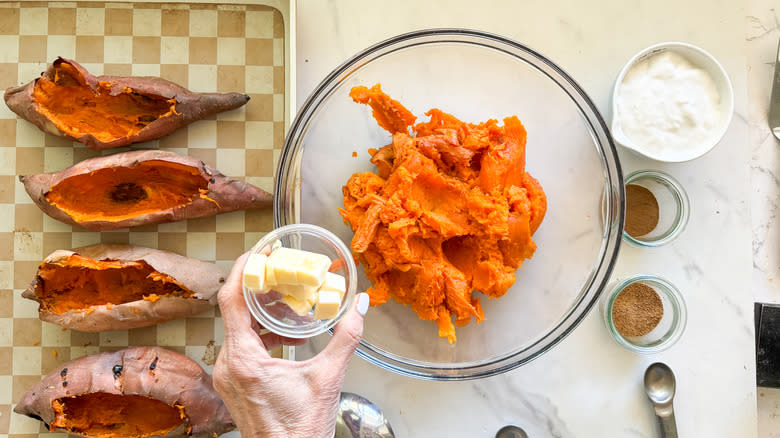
<point>660,385</point>
<point>511,432</point>
<point>357,417</point>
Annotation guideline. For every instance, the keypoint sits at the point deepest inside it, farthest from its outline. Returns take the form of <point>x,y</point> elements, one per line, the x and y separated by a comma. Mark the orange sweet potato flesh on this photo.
<point>149,187</point>
<point>119,287</point>
<point>106,112</point>
<point>389,113</point>
<point>450,210</point>
<point>76,109</point>
<point>140,187</point>
<point>133,392</point>
<point>77,282</point>
<point>106,415</point>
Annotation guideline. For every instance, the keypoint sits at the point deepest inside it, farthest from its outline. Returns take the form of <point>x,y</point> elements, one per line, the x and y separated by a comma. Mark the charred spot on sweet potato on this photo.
<point>117,193</point>
<point>127,192</point>
<point>116,415</point>
<point>78,283</point>
<point>76,108</point>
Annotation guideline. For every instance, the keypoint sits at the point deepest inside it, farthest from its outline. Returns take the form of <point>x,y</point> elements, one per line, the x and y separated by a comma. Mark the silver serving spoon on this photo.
<point>359,418</point>
<point>511,432</point>
<point>660,386</point>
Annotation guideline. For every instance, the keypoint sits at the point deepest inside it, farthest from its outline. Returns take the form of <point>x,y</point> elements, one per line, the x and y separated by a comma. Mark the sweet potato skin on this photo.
<point>203,279</point>
<point>174,379</point>
<point>190,106</point>
<point>224,193</point>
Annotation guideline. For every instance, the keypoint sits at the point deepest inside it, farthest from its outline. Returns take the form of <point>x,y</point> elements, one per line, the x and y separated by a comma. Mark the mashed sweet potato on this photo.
<point>450,210</point>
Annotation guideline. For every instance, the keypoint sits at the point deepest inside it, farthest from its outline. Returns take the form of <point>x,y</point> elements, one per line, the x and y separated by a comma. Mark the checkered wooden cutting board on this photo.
<point>204,47</point>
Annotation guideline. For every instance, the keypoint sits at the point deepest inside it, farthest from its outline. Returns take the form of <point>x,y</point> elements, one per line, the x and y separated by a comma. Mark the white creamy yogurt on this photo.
<point>666,106</point>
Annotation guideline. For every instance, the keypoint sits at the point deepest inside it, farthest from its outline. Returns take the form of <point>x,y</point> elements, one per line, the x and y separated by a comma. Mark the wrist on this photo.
<point>284,431</point>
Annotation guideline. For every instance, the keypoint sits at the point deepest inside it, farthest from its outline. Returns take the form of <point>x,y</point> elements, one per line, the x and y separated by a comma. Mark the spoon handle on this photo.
<point>668,425</point>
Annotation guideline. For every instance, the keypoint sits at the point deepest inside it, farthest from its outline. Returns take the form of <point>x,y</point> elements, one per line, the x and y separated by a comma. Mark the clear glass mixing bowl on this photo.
<point>475,76</point>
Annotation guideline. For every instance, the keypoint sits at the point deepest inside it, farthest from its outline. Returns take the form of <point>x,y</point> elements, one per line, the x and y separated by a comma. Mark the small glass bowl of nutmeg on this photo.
<point>644,313</point>
<point>657,208</point>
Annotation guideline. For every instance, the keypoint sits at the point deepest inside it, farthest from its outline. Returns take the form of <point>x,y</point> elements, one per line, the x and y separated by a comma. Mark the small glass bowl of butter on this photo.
<point>299,280</point>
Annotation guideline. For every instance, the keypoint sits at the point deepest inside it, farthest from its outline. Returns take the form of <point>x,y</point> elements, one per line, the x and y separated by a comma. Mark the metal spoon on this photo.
<point>359,418</point>
<point>660,386</point>
<point>511,432</point>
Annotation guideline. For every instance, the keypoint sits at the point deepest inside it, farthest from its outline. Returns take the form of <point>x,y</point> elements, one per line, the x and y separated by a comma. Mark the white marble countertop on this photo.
<point>589,386</point>
<point>762,34</point>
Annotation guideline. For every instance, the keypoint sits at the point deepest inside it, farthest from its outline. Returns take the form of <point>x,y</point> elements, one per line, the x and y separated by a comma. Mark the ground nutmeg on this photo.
<point>637,310</point>
<point>641,210</point>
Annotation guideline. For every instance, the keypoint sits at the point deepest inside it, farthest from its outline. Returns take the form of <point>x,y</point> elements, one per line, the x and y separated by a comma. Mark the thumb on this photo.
<point>235,315</point>
<point>346,336</point>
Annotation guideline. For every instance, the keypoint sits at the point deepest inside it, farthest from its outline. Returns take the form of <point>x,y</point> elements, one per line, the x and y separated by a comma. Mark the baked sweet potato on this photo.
<point>135,392</point>
<point>105,112</point>
<point>138,188</point>
<point>118,287</point>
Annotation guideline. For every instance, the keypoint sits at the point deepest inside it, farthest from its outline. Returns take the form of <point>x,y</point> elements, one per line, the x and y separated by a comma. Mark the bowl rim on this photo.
<point>614,188</point>
<point>657,48</point>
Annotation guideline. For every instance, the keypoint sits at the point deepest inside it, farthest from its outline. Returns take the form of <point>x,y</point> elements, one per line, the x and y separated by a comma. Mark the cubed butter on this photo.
<point>294,266</point>
<point>300,292</point>
<point>328,303</point>
<point>270,280</point>
<point>334,283</point>
<point>301,307</point>
<point>254,273</point>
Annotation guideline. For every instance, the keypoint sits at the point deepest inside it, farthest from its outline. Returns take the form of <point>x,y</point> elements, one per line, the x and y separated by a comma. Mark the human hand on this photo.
<point>270,397</point>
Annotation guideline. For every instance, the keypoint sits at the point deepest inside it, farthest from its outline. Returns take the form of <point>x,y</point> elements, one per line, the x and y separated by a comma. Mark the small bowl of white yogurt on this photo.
<point>672,102</point>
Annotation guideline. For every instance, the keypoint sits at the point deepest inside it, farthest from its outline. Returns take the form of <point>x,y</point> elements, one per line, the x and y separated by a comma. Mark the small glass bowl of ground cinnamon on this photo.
<point>644,313</point>
<point>657,208</point>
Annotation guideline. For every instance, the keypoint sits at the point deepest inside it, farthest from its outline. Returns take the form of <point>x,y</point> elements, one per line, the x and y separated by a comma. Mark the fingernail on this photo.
<point>362,303</point>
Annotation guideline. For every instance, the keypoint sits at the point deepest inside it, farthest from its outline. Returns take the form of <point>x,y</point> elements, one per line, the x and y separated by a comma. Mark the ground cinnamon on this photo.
<point>637,310</point>
<point>641,210</point>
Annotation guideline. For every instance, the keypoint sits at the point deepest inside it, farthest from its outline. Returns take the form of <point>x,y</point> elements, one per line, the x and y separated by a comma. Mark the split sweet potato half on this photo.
<point>106,112</point>
<point>135,392</point>
<point>139,188</point>
<point>119,287</point>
